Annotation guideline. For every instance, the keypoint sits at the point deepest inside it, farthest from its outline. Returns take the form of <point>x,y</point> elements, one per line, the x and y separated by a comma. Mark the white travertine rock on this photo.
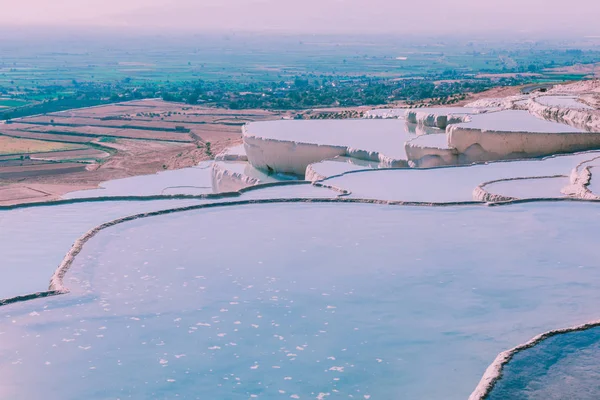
<point>233,176</point>
<point>499,102</point>
<point>287,157</point>
<point>419,130</point>
<point>290,146</point>
<point>429,151</point>
<point>588,86</point>
<point>439,117</point>
<point>584,118</point>
<point>570,102</point>
<point>336,166</point>
<point>449,184</point>
<point>397,113</point>
<point>236,153</point>
<point>494,372</point>
<point>516,134</point>
<point>580,179</point>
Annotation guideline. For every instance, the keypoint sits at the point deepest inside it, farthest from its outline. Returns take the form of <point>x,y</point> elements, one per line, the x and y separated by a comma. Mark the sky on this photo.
<point>553,17</point>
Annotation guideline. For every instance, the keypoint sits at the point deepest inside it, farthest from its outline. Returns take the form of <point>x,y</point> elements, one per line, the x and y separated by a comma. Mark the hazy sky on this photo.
<point>334,16</point>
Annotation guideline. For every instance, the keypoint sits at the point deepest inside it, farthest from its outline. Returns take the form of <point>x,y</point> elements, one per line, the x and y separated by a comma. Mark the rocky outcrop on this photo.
<point>293,157</point>
<point>236,153</point>
<point>226,180</point>
<point>430,151</point>
<point>503,103</point>
<point>288,157</point>
<point>580,178</point>
<point>385,113</point>
<point>436,118</point>
<point>580,118</point>
<point>494,372</point>
<point>489,145</point>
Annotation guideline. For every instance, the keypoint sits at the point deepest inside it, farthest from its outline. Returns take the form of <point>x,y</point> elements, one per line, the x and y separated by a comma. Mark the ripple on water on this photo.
<point>303,300</point>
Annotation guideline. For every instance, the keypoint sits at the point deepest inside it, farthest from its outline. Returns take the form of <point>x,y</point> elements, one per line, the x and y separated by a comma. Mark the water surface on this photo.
<point>341,164</point>
<point>516,121</point>
<point>561,367</point>
<point>449,184</point>
<point>33,241</point>
<point>563,101</point>
<point>437,141</point>
<point>193,180</point>
<point>530,188</point>
<point>304,300</point>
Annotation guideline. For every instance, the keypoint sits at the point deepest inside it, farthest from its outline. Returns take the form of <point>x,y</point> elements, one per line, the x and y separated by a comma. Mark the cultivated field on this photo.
<point>81,148</point>
<point>11,145</point>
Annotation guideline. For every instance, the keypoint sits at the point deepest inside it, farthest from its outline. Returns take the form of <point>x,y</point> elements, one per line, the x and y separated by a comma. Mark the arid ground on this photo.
<point>43,157</point>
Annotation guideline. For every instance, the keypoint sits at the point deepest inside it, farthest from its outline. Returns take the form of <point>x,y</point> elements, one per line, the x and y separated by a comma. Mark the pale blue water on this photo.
<point>340,165</point>
<point>282,300</point>
<point>284,191</point>
<point>516,121</point>
<point>561,367</point>
<point>563,101</point>
<point>245,168</point>
<point>421,130</point>
<point>193,180</point>
<point>386,113</point>
<point>33,241</point>
<point>530,188</point>
<point>448,184</point>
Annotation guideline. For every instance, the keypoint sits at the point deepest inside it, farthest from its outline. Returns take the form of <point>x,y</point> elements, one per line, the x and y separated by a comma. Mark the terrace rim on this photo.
<point>56,287</point>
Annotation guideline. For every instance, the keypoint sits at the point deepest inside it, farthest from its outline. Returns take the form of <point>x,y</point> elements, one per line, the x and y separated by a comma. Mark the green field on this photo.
<point>216,69</point>
<point>9,103</point>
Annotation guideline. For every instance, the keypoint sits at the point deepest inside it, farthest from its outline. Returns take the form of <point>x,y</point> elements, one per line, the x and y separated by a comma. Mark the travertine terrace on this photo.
<point>301,253</point>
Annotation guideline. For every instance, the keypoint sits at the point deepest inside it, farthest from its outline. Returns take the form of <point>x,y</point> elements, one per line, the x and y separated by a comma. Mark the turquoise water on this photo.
<point>561,367</point>
<point>228,176</point>
<point>303,301</point>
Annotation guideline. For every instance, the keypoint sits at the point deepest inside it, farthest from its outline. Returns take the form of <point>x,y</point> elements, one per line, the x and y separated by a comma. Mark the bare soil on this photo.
<point>141,141</point>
